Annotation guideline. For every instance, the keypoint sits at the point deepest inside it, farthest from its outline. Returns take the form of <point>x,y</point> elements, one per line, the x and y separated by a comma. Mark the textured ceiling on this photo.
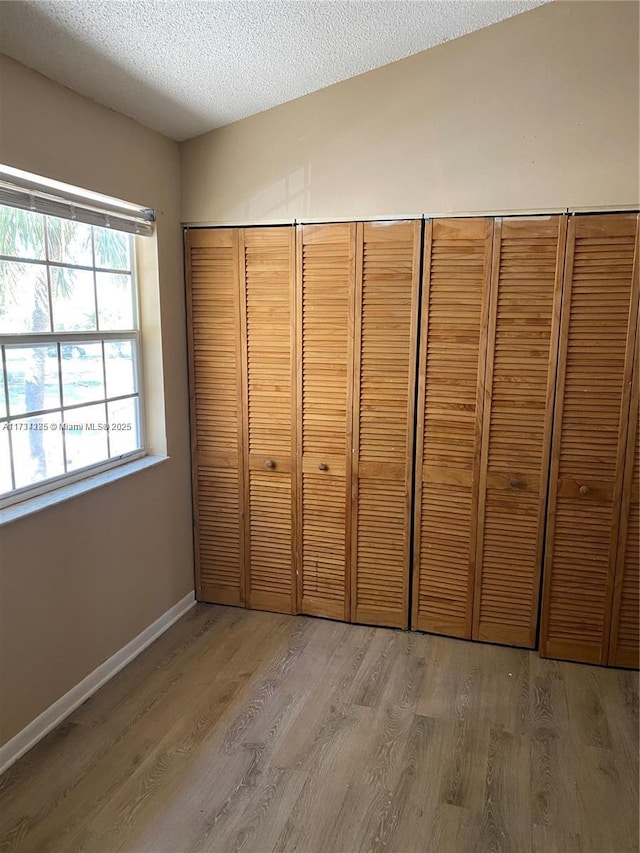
<point>186,67</point>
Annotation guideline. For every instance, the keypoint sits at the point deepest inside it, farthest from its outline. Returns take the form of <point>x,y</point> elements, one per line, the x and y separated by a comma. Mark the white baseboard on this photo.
<point>56,713</point>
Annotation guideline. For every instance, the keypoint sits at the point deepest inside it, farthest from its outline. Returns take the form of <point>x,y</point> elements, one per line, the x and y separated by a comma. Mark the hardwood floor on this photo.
<point>246,731</point>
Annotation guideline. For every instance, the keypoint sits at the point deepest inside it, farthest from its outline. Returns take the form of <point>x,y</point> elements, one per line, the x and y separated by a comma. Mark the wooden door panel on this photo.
<point>271,580</point>
<point>624,650</point>
<point>268,274</point>
<point>528,259</point>
<point>577,616</point>
<point>216,412</point>
<point>507,602</point>
<point>457,264</point>
<point>445,525</point>
<point>590,427</point>
<point>624,647</point>
<point>380,595</point>
<point>326,276</point>
<point>324,548</point>
<point>386,309</point>
<point>219,540</point>
<point>269,268</point>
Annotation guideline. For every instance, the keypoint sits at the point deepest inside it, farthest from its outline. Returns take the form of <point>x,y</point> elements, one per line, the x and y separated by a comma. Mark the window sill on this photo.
<point>65,493</point>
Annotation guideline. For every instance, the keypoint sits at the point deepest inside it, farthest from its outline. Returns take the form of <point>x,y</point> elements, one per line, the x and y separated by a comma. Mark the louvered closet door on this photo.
<point>600,303</point>
<point>216,412</point>
<point>268,273</point>
<point>624,648</point>
<point>457,272</point>
<point>526,288</point>
<point>388,270</point>
<point>326,282</point>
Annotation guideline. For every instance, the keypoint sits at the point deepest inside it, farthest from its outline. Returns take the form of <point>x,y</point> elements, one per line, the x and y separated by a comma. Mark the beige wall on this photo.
<point>79,580</point>
<point>537,112</point>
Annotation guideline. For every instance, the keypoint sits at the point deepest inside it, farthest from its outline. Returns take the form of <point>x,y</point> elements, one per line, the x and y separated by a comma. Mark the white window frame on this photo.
<point>18,495</point>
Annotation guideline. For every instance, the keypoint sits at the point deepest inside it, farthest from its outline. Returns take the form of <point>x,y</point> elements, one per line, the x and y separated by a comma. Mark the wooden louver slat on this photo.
<point>387,285</point>
<point>267,259</point>
<point>526,288</point>
<point>600,306</point>
<point>457,269</point>
<point>216,407</point>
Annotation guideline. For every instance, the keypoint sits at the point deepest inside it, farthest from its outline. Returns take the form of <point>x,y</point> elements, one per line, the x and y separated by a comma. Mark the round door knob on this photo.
<point>514,483</point>
<point>323,466</point>
<point>269,463</point>
<point>584,490</point>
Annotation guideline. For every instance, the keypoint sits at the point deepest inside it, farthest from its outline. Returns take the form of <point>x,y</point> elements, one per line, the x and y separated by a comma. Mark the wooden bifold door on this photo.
<point>590,607</point>
<point>386,408</point>
<point>213,325</point>
<point>303,350</point>
<point>267,305</point>
<point>241,311</point>
<point>490,318</point>
<point>386,329</point>
<point>326,272</point>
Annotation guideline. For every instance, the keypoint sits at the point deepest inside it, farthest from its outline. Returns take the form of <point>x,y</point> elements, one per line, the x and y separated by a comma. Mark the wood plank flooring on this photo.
<point>246,731</point>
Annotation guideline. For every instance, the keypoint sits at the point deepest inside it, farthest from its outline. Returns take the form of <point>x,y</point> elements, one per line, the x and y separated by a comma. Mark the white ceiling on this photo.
<point>183,68</point>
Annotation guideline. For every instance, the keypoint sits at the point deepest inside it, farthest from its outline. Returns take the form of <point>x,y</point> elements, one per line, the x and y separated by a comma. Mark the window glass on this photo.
<point>86,436</point>
<point>82,373</point>
<point>112,249</point>
<point>37,449</point>
<point>115,301</point>
<point>6,484</point>
<point>68,351</point>
<point>21,233</point>
<point>24,298</point>
<point>3,401</point>
<point>124,428</point>
<point>74,300</point>
<point>69,242</point>
<point>120,368</point>
<point>32,378</point>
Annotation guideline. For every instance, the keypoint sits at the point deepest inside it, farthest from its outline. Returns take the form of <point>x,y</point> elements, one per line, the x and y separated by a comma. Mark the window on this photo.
<point>70,395</point>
